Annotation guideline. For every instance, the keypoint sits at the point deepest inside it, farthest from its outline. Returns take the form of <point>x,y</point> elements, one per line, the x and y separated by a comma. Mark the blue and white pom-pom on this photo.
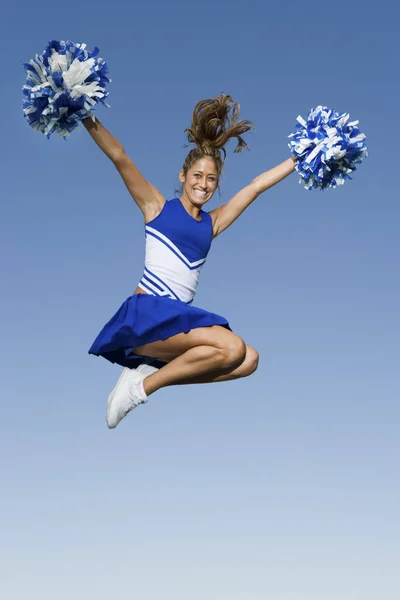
<point>63,86</point>
<point>327,148</point>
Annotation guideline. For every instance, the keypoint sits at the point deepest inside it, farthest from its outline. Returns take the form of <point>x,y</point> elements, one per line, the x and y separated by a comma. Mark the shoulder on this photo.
<point>161,210</point>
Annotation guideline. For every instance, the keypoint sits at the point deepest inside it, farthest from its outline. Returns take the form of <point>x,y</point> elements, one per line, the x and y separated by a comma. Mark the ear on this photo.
<point>181,176</point>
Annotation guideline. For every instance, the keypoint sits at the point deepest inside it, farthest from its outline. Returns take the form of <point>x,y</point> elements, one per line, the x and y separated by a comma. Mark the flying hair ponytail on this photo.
<point>214,122</point>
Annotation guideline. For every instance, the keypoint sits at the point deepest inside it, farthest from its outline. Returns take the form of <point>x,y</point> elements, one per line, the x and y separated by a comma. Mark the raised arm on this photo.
<point>146,196</point>
<point>225,215</point>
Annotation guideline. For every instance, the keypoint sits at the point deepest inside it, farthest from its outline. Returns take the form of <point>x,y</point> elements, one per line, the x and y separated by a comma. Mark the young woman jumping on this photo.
<point>157,334</point>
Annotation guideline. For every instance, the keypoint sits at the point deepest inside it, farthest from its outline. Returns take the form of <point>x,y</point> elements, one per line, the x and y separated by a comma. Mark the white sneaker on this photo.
<point>124,397</point>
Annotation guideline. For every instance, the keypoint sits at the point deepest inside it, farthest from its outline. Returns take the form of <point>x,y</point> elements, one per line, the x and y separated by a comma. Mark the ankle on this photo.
<point>148,385</point>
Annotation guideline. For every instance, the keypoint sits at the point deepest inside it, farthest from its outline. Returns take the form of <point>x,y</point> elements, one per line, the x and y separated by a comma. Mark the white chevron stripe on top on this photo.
<point>154,289</point>
<point>174,248</point>
<point>170,270</point>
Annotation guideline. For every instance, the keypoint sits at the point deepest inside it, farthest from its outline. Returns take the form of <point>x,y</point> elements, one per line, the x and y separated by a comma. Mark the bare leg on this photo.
<point>204,352</point>
<point>203,355</point>
<point>248,367</point>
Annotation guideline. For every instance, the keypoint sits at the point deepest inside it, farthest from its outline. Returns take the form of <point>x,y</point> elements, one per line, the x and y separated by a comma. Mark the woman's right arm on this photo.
<point>146,196</point>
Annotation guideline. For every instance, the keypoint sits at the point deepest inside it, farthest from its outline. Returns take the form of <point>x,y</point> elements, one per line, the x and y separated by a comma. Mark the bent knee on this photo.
<point>234,351</point>
<point>251,361</point>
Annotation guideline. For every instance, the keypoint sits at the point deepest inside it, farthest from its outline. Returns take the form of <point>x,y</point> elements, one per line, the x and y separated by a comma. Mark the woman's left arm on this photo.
<point>223,216</point>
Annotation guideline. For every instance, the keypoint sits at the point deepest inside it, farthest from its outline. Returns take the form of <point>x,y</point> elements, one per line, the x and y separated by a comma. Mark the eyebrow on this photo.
<point>200,171</point>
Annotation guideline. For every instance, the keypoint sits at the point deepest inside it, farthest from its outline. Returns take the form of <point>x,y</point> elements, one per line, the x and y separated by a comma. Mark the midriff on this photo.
<point>139,291</point>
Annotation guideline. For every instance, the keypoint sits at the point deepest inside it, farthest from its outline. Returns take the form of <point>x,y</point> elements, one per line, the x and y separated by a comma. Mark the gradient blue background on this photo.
<point>282,486</point>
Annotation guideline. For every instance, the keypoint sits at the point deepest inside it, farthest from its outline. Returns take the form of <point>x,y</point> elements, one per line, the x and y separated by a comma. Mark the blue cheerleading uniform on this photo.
<point>177,245</point>
<point>176,249</point>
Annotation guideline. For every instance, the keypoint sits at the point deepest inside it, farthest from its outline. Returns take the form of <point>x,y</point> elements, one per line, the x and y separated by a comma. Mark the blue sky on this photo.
<point>285,485</point>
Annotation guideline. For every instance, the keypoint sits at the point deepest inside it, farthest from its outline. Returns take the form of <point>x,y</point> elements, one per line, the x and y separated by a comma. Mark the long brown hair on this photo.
<point>214,122</point>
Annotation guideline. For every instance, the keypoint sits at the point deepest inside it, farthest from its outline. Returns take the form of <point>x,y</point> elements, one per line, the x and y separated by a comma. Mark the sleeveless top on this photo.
<point>177,245</point>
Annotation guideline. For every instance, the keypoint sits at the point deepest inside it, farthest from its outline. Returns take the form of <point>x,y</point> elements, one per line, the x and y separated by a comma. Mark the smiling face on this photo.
<point>200,181</point>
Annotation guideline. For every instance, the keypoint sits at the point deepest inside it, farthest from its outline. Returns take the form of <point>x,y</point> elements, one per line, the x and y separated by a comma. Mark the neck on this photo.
<point>194,211</point>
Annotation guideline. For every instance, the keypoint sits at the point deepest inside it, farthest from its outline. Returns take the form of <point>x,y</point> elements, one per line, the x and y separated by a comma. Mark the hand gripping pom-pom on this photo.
<point>63,86</point>
<point>327,148</point>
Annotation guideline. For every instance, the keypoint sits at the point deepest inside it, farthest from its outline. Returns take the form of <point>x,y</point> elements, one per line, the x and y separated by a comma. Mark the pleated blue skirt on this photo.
<point>143,319</point>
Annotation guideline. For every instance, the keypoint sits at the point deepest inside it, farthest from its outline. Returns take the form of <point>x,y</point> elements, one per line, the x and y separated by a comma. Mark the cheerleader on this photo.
<point>157,334</point>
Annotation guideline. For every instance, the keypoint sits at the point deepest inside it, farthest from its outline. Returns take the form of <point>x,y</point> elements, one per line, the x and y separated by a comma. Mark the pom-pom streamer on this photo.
<point>327,148</point>
<point>63,86</point>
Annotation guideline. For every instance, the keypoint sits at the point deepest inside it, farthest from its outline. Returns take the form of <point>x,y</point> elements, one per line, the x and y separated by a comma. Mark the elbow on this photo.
<point>117,155</point>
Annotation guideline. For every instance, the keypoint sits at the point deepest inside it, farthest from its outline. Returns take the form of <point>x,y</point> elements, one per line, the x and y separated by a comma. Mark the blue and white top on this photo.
<point>177,245</point>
